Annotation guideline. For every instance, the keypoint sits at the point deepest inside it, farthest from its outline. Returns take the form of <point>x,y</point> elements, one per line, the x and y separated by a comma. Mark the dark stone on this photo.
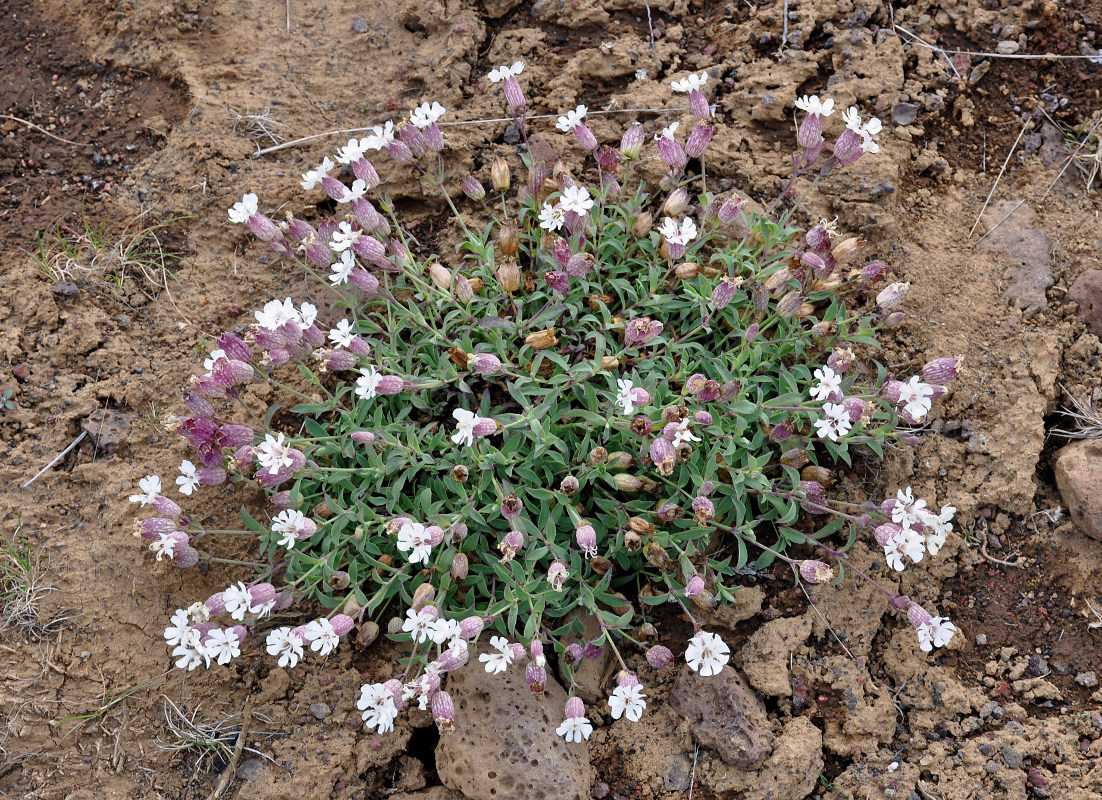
<point>904,113</point>
<point>1038,666</point>
<point>1011,757</point>
<point>359,25</point>
<point>249,769</point>
<point>725,715</point>
<point>1087,292</point>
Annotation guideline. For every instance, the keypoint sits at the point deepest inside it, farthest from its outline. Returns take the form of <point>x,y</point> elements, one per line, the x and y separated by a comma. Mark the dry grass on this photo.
<point>211,740</point>
<point>23,588</point>
<point>1086,416</point>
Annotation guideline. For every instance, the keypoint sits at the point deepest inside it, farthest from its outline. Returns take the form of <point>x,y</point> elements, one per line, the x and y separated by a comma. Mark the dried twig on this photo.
<point>995,185</point>
<point>57,458</point>
<point>44,131</point>
<point>231,768</point>
<point>915,38</point>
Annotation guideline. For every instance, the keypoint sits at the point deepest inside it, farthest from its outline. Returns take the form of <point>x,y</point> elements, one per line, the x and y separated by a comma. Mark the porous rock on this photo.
<point>1079,479</point>
<point>1087,292</point>
<point>588,674</point>
<point>504,745</point>
<point>766,654</point>
<point>725,715</point>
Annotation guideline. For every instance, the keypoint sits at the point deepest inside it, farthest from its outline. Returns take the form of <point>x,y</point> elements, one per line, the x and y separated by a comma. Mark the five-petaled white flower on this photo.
<point>552,217</point>
<point>690,83</point>
<point>342,335</point>
<point>189,653</point>
<point>908,511</point>
<point>834,423</point>
<point>627,701</point>
<point>222,645</point>
<point>852,118</point>
<point>368,382</point>
<point>572,119</point>
<point>915,397</point>
<point>213,360</point>
<point>830,382</point>
<point>937,528</point>
<point>447,631</point>
<point>813,105</point>
<point>678,234</point>
<point>381,136</point>
<point>425,114</point>
<point>418,624</point>
<point>905,543</point>
<point>498,662</point>
<point>413,540</point>
<point>188,479</point>
<point>505,71</point>
<point>342,269</point>
<point>625,397</point>
<point>358,190</point>
<point>276,314</point>
<point>464,426</point>
<point>574,729</point>
<point>323,639</point>
<point>707,653</point>
<point>667,132</point>
<point>377,704</point>
<point>286,644</point>
<point>576,199</point>
<point>237,600</point>
<point>288,522</point>
<point>241,211</point>
<point>936,633</point>
<point>306,314</point>
<point>151,488</point>
<point>344,237</point>
<point>353,151</point>
<point>313,177</point>
<point>683,433</point>
<point>273,453</point>
<point>177,632</point>
<point>164,546</point>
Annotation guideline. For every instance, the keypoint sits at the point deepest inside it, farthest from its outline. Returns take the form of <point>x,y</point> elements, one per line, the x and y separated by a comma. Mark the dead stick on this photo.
<point>227,773</point>
<point>990,194</point>
<point>43,130</point>
<point>57,458</point>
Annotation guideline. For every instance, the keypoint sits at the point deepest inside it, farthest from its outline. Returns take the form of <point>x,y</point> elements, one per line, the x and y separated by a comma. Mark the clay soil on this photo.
<point>148,114</point>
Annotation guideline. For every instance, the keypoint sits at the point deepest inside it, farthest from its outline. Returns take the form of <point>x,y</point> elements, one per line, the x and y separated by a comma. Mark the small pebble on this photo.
<point>981,639</point>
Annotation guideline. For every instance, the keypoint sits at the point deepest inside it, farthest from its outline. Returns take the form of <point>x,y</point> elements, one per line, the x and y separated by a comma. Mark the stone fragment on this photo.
<point>1027,249</point>
<point>766,654</point>
<point>1087,292</point>
<point>1079,478</point>
<point>320,710</point>
<point>725,715</point>
<point>904,113</point>
<point>107,428</point>
<point>495,9</point>
<point>504,745</point>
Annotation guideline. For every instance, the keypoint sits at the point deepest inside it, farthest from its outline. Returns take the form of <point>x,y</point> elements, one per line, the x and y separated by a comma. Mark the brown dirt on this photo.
<point>162,78</point>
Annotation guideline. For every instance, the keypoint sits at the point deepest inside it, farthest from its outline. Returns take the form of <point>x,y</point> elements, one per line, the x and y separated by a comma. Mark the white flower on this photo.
<point>684,433</point>
<point>552,217</point>
<point>624,397</point>
<point>498,662</point>
<point>418,624</point>
<point>189,653</point>
<point>829,383</point>
<point>288,522</point>
<point>177,632</point>
<point>342,335</point>
<point>276,314</point>
<point>907,511</point>
<point>263,609</point>
<point>464,426</point>
<point>344,237</point>
<point>342,269</point>
<point>237,600</point>
<point>151,486</point>
<point>306,314</point>
<point>425,115</point>
<point>241,212</point>
<point>707,653</point>
<point>572,119</point>
<point>835,422</point>
<point>576,199</point>
<point>667,132</point>
<point>284,642</point>
<point>574,729</point>
<point>313,177</point>
<point>867,130</point>
<point>321,636</point>
<point>936,633</point>
<point>905,543</point>
<point>447,630</point>
<point>938,528</point>
<point>627,701</point>
<point>377,703</point>
<point>367,383</point>
<point>358,190</point>
<point>382,135</point>
<point>915,397</point>
<point>273,453</point>
<point>222,645</point>
<point>165,546</point>
<point>812,105</point>
<point>353,151</point>
<point>690,83</point>
<point>412,539</point>
<point>188,479</point>
<point>212,361</point>
<point>678,234</point>
<point>503,72</point>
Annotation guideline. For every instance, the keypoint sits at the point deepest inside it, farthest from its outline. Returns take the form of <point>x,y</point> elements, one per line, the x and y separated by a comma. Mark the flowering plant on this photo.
<point>579,413</point>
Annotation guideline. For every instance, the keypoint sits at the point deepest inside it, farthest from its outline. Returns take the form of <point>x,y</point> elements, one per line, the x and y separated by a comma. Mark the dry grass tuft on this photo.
<point>1087,416</point>
<point>23,588</point>
<point>211,740</point>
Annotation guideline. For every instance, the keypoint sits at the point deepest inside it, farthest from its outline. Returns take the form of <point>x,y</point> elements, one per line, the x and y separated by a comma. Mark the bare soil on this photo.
<point>157,97</point>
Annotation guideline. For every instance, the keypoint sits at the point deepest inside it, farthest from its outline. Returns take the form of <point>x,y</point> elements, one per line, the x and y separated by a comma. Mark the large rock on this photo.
<point>504,745</point>
<point>1087,292</point>
<point>766,655</point>
<point>725,715</point>
<point>1079,478</point>
<point>1026,248</point>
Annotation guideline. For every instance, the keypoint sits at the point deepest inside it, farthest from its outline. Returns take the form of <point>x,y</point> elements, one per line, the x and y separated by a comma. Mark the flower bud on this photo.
<point>660,657</point>
<point>816,572</point>
<point>499,174</point>
<point>536,677</point>
<point>390,384</point>
<point>677,203</point>
<point>541,340</point>
<point>789,305</point>
<point>873,271</point>
<point>627,483</point>
<point>694,587</point>
<point>698,140</point>
<point>942,370</point>
<point>631,143</point>
<point>669,150</point>
<point>585,137</point>
<point>508,238</point>
<point>642,224</point>
<point>569,486</point>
